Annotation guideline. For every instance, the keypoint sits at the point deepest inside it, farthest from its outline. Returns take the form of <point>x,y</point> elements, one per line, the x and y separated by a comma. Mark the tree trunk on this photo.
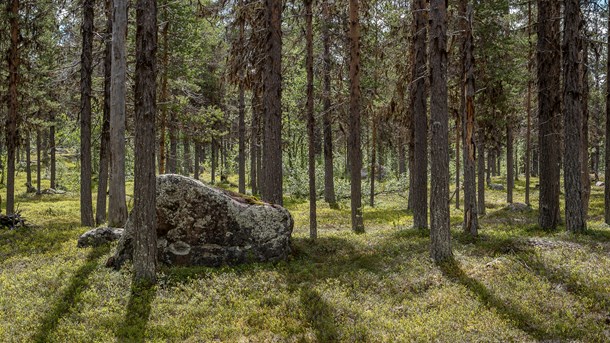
<point>197,170</point>
<point>549,111</point>
<point>28,161</point>
<point>86,205</point>
<point>38,164</point>
<point>471,223</point>
<point>419,194</point>
<point>480,173</point>
<point>311,123</point>
<point>187,166</point>
<point>573,117</point>
<point>214,157</point>
<point>329,175</point>
<point>373,160</point>
<point>164,95</point>
<point>607,145</point>
<point>271,187</point>
<point>354,150</point>
<point>242,138</point>
<point>53,162</point>
<point>12,119</point>
<point>117,206</point>
<point>585,176</point>
<point>510,167</point>
<point>102,186</point>
<point>144,212</point>
<point>440,236</point>
<point>528,134</point>
<point>255,141</point>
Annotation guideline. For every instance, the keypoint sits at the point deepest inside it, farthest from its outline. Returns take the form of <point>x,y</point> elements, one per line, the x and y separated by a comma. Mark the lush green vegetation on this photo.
<point>514,283</point>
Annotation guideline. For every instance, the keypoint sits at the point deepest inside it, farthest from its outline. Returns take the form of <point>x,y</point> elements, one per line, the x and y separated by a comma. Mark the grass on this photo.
<point>513,283</point>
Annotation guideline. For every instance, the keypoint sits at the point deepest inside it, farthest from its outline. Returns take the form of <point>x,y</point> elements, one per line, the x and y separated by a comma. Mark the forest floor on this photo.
<point>514,283</point>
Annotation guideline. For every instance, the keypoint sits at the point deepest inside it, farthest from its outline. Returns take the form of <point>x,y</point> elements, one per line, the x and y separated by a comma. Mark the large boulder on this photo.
<point>198,225</point>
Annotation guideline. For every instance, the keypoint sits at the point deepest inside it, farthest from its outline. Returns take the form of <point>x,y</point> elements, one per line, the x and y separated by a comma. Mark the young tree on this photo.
<point>12,118</point>
<point>470,201</point>
<point>419,175</point>
<point>86,206</point>
<point>440,236</point>
<point>607,157</point>
<point>102,188</point>
<point>510,162</point>
<point>117,211</point>
<point>549,111</point>
<point>145,218</point>
<point>573,115</point>
<point>354,150</point>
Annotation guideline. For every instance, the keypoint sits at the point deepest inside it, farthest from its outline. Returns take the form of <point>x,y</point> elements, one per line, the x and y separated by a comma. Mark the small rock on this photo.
<point>99,236</point>
<point>600,184</point>
<point>496,186</point>
<point>518,207</point>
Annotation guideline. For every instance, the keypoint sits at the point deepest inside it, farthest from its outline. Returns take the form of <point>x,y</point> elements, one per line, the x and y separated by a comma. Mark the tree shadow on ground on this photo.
<point>71,296</point>
<point>509,311</point>
<point>30,241</point>
<point>133,328</point>
<point>319,314</point>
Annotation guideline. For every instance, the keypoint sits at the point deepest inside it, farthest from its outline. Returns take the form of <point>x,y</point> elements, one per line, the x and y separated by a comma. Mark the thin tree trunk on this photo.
<point>573,117</point>
<point>549,110</point>
<point>197,170</point>
<point>242,139</point>
<point>510,168</point>
<point>471,223</point>
<point>528,134</point>
<point>28,161</point>
<point>440,236</point>
<point>254,141</point>
<point>164,95</point>
<point>53,162</point>
<point>480,173</point>
<point>607,145</point>
<point>272,102</point>
<point>214,156</point>
<point>373,160</point>
<point>145,221</point>
<point>329,176</point>
<point>38,164</point>
<point>186,144</point>
<point>311,123</point>
<point>86,205</point>
<point>117,206</point>
<point>174,134</point>
<point>102,186</point>
<point>419,193</point>
<point>354,149</point>
<point>584,154</point>
<point>457,154</point>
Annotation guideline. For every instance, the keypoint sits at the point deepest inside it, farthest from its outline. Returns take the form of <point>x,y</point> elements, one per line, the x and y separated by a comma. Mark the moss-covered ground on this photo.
<point>514,283</point>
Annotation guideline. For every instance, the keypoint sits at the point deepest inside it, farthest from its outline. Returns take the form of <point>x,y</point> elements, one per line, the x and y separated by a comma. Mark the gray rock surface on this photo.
<point>198,225</point>
<point>496,186</point>
<point>99,236</point>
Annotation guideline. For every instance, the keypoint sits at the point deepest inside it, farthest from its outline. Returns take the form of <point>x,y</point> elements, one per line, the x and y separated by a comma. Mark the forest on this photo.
<point>304,171</point>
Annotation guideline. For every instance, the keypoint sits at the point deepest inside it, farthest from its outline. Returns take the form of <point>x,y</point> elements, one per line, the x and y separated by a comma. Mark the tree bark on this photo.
<point>255,140</point>
<point>271,187</point>
<point>480,173</point>
<point>117,206</point>
<point>144,212</point>
<point>38,163</point>
<point>573,117</point>
<point>607,143</point>
<point>28,160</point>
<point>510,163</point>
<point>373,159</point>
<point>311,123</point>
<point>102,186</point>
<point>53,162</point>
<point>471,223</point>
<point>86,205</point>
<point>440,236</point>
<point>549,111</point>
<point>329,175</point>
<point>164,95</point>
<point>419,184</point>
<point>187,162</point>
<point>528,134</point>
<point>584,154</point>
<point>12,119</point>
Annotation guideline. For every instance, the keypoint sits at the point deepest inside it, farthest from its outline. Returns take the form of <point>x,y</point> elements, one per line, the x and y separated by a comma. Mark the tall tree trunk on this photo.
<point>584,154</point>
<point>242,139</point>
<point>510,167</point>
<point>186,144</point>
<point>117,206</point>
<point>271,188</point>
<point>53,162</point>
<point>86,205</point>
<point>354,150</point>
<point>254,140</point>
<point>573,117</point>
<point>470,196</point>
<point>214,156</point>
<point>419,194</point>
<point>145,221</point>
<point>164,95</point>
<point>480,173</point>
<point>12,119</point>
<point>607,145</point>
<point>329,175</point>
<point>528,134</point>
<point>311,123</point>
<point>102,186</point>
<point>457,151</point>
<point>549,111</point>
<point>373,160</point>
<point>174,134</point>
<point>440,236</point>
